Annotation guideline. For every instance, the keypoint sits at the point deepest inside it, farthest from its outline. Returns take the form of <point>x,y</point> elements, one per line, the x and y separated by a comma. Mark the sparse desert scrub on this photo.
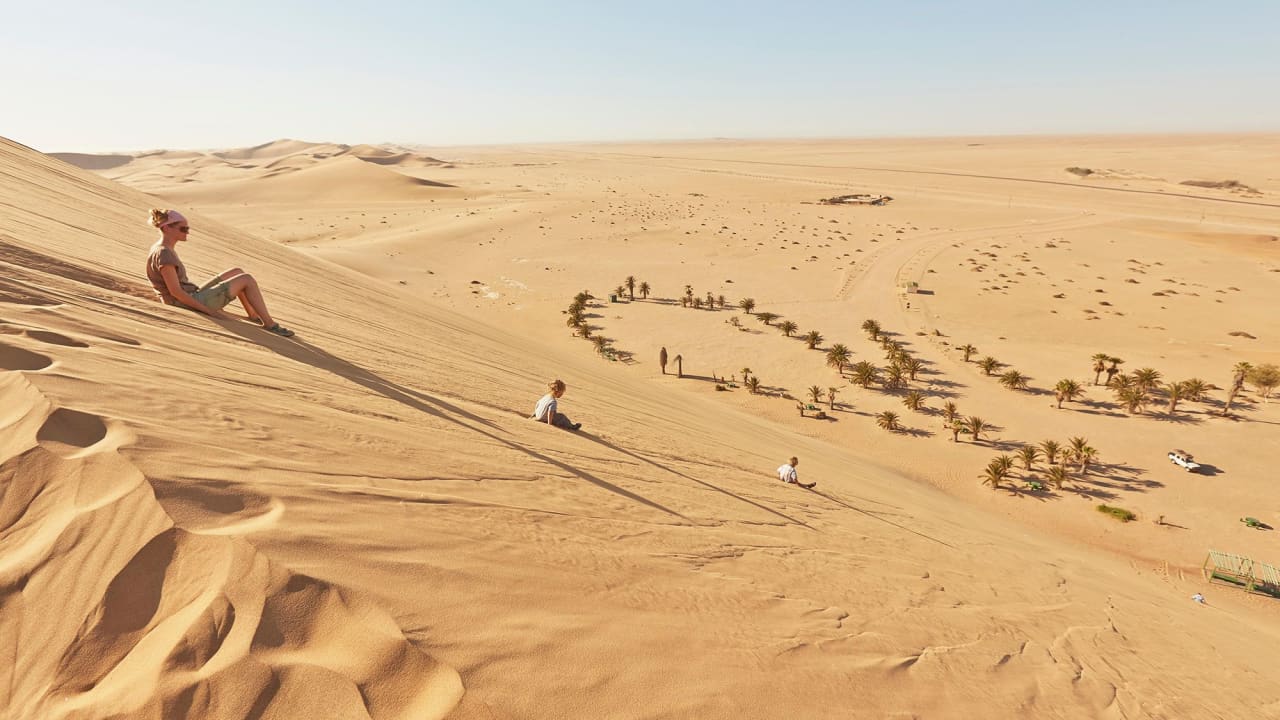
<point>989,365</point>
<point>1118,513</point>
<point>1264,378</point>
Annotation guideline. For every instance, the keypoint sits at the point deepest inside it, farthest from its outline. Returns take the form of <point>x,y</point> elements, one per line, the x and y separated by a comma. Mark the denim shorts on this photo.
<point>214,295</point>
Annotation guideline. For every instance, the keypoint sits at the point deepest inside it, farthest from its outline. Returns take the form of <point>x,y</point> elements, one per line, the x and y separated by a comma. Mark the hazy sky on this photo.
<point>98,76</point>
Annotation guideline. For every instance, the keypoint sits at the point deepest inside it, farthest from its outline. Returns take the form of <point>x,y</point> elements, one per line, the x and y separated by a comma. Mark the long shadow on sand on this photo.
<point>669,469</point>
<point>308,354</point>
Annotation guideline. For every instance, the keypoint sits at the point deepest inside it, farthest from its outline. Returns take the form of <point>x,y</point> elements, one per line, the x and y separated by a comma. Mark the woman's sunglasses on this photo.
<point>183,229</point>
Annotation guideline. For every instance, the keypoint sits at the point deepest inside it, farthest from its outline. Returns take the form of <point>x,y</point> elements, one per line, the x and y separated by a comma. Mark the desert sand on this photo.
<point>202,520</point>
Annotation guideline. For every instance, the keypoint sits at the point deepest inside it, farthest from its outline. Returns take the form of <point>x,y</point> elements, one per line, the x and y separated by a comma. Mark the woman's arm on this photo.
<point>170,275</point>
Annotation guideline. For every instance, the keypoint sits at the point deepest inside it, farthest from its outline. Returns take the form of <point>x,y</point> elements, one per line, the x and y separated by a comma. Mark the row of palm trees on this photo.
<point>1057,457</point>
<point>630,287</point>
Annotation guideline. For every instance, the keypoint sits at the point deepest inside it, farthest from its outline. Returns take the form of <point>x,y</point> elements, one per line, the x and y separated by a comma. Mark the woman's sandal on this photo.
<point>280,330</point>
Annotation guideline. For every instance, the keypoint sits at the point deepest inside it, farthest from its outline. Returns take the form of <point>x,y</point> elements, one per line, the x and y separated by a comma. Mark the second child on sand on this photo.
<point>787,474</point>
<point>547,408</point>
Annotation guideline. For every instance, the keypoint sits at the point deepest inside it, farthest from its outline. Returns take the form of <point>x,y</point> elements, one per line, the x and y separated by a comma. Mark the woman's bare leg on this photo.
<point>228,274</point>
<point>246,288</point>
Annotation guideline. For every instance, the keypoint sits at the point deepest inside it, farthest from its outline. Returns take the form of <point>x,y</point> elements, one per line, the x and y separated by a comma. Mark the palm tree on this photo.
<point>1080,452</point>
<point>956,428</point>
<point>752,384</point>
<point>968,350</point>
<point>601,343</point>
<point>1084,457</point>
<point>630,282</point>
<point>1132,397</point>
<point>975,426</point>
<point>872,328</point>
<point>711,301</point>
<point>837,357</point>
<point>1051,449</point>
<point>585,330</point>
<point>914,400</point>
<point>950,411</point>
<point>1067,390</point>
<point>894,377</point>
<point>1264,379</point>
<point>864,373</point>
<point>697,303</point>
<point>831,397</point>
<point>767,317</point>
<point>812,339</point>
<point>912,366</point>
<point>747,305</point>
<point>1113,368</point>
<point>721,301</point>
<point>1239,372</point>
<point>576,315</point>
<point>1056,475</point>
<point>620,290</point>
<point>1146,378</point>
<point>992,476</point>
<point>684,301</point>
<point>1029,454</point>
<point>581,298</point>
<point>888,420</point>
<point>644,290</point>
<point>989,364</point>
<point>787,327</point>
<point>1194,389</point>
<point>1099,365</point>
<point>1175,392</point>
<point>815,393</point>
<point>1014,380</point>
<point>746,373</point>
<point>1004,463</point>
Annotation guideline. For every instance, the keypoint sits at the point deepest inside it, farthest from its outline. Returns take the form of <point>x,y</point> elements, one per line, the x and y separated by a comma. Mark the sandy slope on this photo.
<point>647,567</point>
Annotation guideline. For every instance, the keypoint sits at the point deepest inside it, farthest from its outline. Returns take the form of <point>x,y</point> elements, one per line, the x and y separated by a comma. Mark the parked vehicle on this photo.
<point>1183,459</point>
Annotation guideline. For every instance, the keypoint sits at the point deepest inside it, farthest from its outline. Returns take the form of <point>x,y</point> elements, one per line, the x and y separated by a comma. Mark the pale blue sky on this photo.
<point>98,76</point>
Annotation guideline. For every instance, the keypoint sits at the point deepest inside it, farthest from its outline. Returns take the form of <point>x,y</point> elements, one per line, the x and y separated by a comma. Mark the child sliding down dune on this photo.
<point>169,278</point>
<point>787,474</point>
<point>547,408</point>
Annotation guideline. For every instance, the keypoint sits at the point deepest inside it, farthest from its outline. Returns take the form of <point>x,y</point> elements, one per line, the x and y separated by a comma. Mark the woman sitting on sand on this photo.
<point>545,410</point>
<point>169,277</point>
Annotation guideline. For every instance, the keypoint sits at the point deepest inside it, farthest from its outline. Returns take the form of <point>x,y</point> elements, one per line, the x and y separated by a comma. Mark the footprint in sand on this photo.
<point>16,358</point>
<point>68,431</point>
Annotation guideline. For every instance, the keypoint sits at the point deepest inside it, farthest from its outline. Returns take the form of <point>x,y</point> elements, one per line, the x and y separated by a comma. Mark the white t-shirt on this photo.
<point>546,405</point>
<point>787,474</point>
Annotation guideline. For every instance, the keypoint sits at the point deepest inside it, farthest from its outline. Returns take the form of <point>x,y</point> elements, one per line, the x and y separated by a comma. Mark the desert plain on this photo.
<point>199,519</point>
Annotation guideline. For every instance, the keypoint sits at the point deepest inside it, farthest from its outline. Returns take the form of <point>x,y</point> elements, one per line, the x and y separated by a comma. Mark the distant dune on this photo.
<point>88,161</point>
<point>303,177</point>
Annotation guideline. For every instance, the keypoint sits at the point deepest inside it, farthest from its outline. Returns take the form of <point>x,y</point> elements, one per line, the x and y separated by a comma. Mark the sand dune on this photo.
<point>278,502</point>
<point>294,179</point>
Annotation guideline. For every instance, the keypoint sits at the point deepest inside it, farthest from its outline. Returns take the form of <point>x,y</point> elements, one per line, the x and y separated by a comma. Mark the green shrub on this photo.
<point>1118,513</point>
